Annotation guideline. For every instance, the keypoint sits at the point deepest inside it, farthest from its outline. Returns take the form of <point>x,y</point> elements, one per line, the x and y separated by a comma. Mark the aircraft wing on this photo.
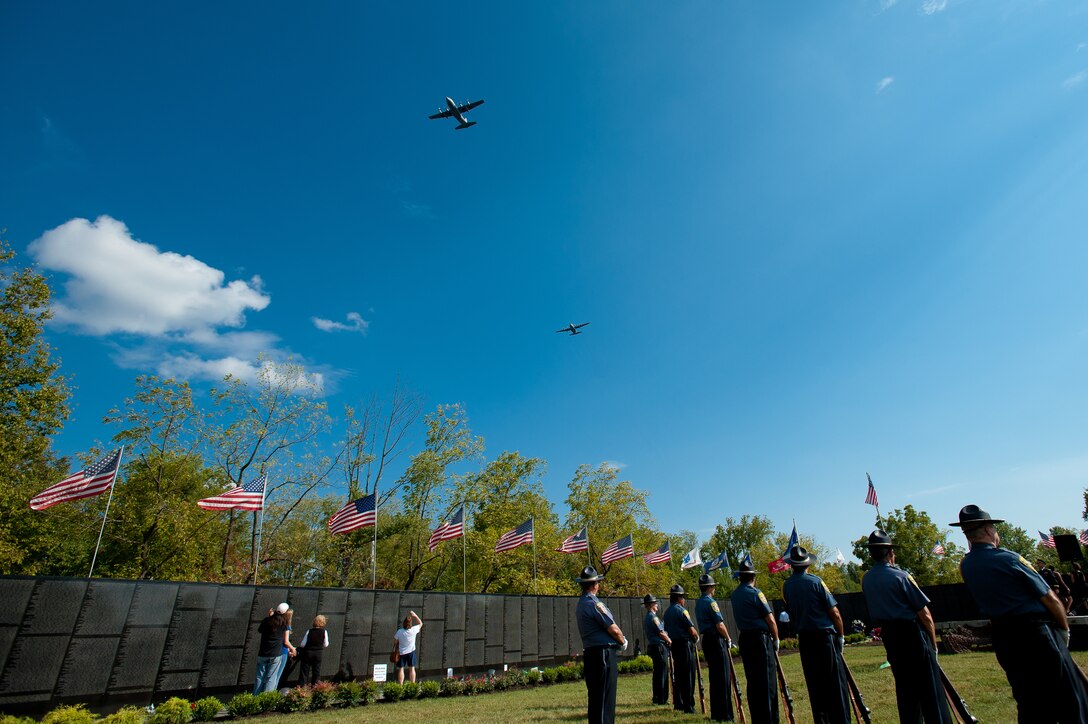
<point>442,114</point>
<point>579,326</point>
<point>469,106</point>
<point>564,329</point>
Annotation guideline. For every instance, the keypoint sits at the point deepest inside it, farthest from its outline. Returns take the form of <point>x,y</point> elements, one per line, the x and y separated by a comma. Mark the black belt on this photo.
<point>602,646</point>
<point>1020,620</point>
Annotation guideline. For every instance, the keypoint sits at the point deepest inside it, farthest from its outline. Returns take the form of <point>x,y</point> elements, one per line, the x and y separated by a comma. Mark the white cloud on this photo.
<point>1080,47</point>
<point>615,464</point>
<point>1075,80</point>
<point>884,83</point>
<point>887,4</point>
<point>355,323</point>
<point>930,7</point>
<point>120,284</point>
<point>162,311</point>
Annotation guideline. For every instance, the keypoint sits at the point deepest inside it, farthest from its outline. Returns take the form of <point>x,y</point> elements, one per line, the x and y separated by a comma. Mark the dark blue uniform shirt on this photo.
<point>678,623</point>
<point>891,593</point>
<point>652,627</point>
<point>707,614</point>
<point>808,600</point>
<point>750,608</point>
<point>1002,583</point>
<point>594,618</point>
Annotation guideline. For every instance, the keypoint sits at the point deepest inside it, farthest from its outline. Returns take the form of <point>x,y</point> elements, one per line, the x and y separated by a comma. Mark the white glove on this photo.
<point>728,643</point>
<point>842,643</point>
<point>1063,635</point>
<point>777,645</point>
<point>624,647</point>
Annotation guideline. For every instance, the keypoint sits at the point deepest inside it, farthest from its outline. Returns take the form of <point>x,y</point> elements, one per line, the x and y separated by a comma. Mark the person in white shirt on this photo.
<point>405,639</point>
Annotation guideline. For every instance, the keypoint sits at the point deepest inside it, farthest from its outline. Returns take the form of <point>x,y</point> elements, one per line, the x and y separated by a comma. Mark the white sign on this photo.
<point>449,673</point>
<point>506,667</point>
<point>379,672</point>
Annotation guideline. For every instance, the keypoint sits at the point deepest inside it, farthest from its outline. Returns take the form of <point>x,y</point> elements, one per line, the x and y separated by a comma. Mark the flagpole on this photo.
<point>260,535</point>
<point>534,554</point>
<point>107,513</point>
<point>636,562</point>
<point>464,547</point>
<point>589,556</point>
<point>374,543</point>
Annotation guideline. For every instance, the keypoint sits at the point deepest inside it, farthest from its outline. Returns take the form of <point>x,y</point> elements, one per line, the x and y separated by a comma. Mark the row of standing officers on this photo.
<point>1030,638</point>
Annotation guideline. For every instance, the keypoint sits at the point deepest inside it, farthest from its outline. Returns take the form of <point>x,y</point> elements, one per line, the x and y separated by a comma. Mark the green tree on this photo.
<point>426,487</point>
<point>736,538</point>
<point>33,407</point>
<point>1016,539</point>
<point>915,534</point>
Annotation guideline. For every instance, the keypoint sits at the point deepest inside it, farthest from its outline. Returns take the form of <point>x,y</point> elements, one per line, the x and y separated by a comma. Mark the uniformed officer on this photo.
<point>716,646</point>
<point>1029,627</point>
<point>682,632</point>
<point>901,610</point>
<point>601,637</point>
<point>657,641</point>
<point>758,645</point>
<point>815,616</point>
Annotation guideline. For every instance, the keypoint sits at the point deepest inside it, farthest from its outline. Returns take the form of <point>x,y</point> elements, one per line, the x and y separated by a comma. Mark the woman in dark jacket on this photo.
<point>313,645</point>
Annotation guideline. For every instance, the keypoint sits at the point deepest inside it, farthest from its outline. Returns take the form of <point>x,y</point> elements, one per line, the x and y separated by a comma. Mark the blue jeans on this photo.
<point>275,683</point>
<point>267,669</point>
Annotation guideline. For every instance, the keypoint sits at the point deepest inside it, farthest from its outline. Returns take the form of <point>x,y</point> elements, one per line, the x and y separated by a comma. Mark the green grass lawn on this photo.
<point>977,676</point>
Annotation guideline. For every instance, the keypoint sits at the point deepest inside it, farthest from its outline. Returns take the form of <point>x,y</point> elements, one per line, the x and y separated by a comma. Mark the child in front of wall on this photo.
<point>313,645</point>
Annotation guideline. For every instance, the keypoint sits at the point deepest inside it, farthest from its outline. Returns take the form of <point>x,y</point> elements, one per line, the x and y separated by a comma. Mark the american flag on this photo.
<point>623,548</point>
<point>576,543</point>
<point>449,529</point>
<point>519,536</point>
<point>1084,537</point>
<point>661,555</point>
<point>357,514</point>
<point>1047,540</point>
<point>938,550</point>
<point>94,480</point>
<point>870,497</point>
<point>243,497</point>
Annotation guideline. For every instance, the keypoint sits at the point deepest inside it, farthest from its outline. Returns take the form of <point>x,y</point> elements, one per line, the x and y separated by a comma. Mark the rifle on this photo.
<point>860,709</point>
<point>785,689</point>
<point>699,678</point>
<point>736,684</point>
<point>672,673</point>
<point>955,699</point>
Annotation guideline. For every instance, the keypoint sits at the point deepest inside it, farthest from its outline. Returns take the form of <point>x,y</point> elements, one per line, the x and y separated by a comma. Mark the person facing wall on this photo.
<point>311,648</point>
<point>405,639</point>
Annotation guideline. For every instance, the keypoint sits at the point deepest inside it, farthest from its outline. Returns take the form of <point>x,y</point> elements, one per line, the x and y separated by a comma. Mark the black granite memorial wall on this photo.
<point>110,642</point>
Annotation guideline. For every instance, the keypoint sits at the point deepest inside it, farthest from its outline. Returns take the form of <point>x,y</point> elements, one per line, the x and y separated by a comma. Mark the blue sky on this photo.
<point>812,239</point>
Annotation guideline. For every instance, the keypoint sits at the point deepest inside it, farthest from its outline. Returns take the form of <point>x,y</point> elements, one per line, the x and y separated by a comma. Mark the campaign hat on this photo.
<point>972,516</point>
<point>677,590</point>
<point>746,567</point>
<point>648,599</point>
<point>589,575</point>
<point>880,539</point>
<point>799,557</point>
<point>705,581</point>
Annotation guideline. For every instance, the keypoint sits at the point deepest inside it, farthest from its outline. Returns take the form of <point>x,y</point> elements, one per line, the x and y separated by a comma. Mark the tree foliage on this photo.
<point>915,535</point>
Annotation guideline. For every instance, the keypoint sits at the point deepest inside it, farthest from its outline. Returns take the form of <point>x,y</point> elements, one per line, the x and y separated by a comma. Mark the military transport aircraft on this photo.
<point>572,328</point>
<point>457,111</point>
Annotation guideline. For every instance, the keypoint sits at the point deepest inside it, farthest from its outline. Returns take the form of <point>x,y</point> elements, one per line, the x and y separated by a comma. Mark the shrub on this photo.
<point>172,711</point>
<point>322,695</point>
<point>429,689</point>
<point>206,709</point>
<point>77,714</point>
<point>348,693</point>
<point>856,638</point>
<point>411,690</point>
<point>637,664</point>
<point>550,676</point>
<point>532,677</point>
<point>789,644</point>
<point>297,699</point>
<point>9,719</point>
<point>370,692</point>
<point>502,682</point>
<point>125,715</point>
<point>453,687</point>
<point>243,705</point>
<point>269,700</point>
<point>392,691</point>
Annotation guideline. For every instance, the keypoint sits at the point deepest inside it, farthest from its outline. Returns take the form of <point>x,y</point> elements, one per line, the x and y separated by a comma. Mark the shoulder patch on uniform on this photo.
<point>714,607</point>
<point>762,597</point>
<point>656,620</point>
<point>825,586</point>
<point>912,581</point>
<point>687,615</point>
<point>1025,562</point>
<point>601,608</point>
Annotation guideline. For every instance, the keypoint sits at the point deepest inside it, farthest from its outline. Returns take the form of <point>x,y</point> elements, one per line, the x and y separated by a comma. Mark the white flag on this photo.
<point>691,559</point>
<point>839,559</point>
